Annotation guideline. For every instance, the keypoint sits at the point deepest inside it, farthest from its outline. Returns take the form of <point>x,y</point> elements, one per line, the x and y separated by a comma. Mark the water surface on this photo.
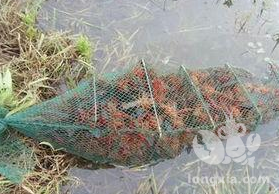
<point>167,34</point>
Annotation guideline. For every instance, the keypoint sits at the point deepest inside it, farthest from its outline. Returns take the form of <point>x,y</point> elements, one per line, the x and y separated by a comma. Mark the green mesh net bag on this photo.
<point>140,116</point>
<point>225,94</point>
<point>16,159</point>
<point>263,92</point>
<point>3,113</point>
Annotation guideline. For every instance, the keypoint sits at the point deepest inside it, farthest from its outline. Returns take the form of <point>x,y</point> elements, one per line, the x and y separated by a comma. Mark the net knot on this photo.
<point>3,127</point>
<point>3,123</point>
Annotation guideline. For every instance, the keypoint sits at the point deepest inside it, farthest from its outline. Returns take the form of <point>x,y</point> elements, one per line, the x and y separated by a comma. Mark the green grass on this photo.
<point>29,17</point>
<point>7,96</point>
<point>84,48</point>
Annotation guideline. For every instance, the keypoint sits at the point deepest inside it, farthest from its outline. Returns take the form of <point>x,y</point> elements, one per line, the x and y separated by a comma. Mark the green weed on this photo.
<point>84,48</point>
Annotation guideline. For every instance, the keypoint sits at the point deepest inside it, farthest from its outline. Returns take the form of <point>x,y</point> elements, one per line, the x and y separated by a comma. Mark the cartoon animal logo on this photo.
<point>213,151</point>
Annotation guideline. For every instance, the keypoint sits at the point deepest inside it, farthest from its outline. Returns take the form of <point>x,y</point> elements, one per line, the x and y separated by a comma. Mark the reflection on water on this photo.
<point>195,33</point>
<point>169,33</point>
<point>178,175</point>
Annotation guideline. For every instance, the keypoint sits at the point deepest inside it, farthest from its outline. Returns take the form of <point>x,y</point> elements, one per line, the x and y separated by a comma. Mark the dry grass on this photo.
<point>49,175</point>
<point>40,62</point>
<point>42,65</point>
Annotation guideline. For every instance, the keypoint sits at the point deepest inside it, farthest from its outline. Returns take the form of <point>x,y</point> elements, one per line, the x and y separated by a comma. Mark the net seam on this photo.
<point>246,92</point>
<point>197,91</point>
<point>152,98</point>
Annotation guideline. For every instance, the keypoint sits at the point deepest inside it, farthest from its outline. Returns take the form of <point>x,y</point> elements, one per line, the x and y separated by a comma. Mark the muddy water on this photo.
<point>169,33</point>
<point>194,33</point>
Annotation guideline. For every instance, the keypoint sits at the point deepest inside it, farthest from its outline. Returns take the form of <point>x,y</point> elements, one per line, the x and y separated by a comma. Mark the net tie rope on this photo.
<point>3,123</point>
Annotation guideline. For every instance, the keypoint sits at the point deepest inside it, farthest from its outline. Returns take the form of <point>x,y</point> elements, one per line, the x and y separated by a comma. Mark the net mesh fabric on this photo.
<point>16,159</point>
<point>141,116</point>
<point>264,93</point>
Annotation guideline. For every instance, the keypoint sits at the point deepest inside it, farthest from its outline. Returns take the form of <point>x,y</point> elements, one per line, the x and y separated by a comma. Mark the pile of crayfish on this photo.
<point>142,115</point>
